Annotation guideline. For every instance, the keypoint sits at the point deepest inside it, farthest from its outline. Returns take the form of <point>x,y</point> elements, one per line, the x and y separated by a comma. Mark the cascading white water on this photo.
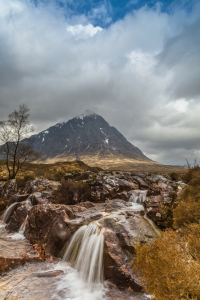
<point>11,208</point>
<point>137,198</point>
<point>85,253</point>
<point>8,212</point>
<point>20,234</point>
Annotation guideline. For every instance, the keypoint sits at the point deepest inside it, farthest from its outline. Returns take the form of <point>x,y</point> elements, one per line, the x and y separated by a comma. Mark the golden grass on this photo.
<point>115,163</point>
<point>48,170</point>
<point>169,267</point>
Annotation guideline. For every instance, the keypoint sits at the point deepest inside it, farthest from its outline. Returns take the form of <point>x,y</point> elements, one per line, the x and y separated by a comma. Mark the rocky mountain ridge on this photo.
<point>85,136</point>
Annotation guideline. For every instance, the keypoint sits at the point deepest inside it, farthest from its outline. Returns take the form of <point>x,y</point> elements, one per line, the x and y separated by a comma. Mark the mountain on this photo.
<point>89,138</point>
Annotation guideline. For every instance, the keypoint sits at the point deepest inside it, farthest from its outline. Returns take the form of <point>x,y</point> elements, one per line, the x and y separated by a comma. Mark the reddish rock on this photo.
<point>35,255</point>
<point>36,198</point>
<point>86,204</point>
<point>46,225</point>
<point>49,273</point>
<point>153,208</point>
<point>17,218</point>
<point>142,184</point>
<point>116,265</point>
<point>154,190</point>
<point>123,195</point>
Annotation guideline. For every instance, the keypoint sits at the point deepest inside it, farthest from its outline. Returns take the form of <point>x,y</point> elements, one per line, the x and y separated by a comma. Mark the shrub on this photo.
<point>58,176</point>
<point>188,207</point>
<point>70,192</point>
<point>174,176</point>
<point>193,172</point>
<point>167,267</point>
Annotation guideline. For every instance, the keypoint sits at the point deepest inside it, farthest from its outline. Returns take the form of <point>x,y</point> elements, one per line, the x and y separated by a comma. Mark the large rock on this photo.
<point>47,225</point>
<point>108,186</point>
<point>131,228</point>
<point>18,217</point>
<point>37,254</point>
<point>116,265</point>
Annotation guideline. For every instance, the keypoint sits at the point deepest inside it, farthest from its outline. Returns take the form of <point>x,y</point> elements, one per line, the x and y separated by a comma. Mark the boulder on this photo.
<point>123,195</point>
<point>153,208</point>
<point>131,228</point>
<point>46,225</point>
<point>108,186</point>
<point>116,265</point>
<point>37,254</point>
<point>17,218</point>
<point>142,184</point>
<point>38,198</point>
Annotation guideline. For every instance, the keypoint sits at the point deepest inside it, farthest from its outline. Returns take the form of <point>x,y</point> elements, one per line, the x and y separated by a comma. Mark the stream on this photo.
<point>32,282</point>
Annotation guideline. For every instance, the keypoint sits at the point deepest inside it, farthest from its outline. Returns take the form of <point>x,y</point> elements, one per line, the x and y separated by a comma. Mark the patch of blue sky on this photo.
<point>104,12</point>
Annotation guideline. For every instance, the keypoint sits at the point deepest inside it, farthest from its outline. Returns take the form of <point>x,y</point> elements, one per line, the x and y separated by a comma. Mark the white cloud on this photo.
<point>84,31</point>
<point>140,73</point>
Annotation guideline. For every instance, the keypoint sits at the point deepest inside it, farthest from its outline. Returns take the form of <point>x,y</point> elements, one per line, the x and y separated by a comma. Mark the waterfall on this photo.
<point>11,209</point>
<point>138,196</point>
<point>8,212</point>
<point>20,234</point>
<point>23,226</point>
<point>85,253</point>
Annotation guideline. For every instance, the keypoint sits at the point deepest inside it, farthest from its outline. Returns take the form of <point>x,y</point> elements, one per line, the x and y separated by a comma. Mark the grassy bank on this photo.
<point>50,171</point>
<point>170,265</point>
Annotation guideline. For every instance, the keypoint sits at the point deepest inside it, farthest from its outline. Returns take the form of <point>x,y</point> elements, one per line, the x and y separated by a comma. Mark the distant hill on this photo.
<point>89,138</point>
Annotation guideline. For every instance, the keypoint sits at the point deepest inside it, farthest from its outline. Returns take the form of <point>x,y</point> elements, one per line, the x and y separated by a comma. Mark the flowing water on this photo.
<point>20,234</point>
<point>8,212</point>
<point>137,198</point>
<point>82,267</point>
<point>85,253</point>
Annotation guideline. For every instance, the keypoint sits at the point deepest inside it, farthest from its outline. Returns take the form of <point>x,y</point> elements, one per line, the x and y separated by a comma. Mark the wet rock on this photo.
<point>49,273</point>
<point>131,228</point>
<point>123,195</point>
<point>154,190</point>
<point>18,198</point>
<point>17,218</point>
<point>34,255</point>
<point>142,184</point>
<point>107,186</point>
<point>46,225</point>
<point>86,204</point>
<point>116,266</point>
<point>153,208</point>
<point>38,198</point>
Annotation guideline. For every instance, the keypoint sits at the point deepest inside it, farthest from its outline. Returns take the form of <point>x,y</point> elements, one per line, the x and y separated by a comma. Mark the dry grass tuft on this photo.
<point>71,192</point>
<point>170,266</point>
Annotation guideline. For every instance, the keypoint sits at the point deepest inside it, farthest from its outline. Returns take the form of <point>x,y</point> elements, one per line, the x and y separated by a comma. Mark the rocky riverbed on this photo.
<point>35,233</point>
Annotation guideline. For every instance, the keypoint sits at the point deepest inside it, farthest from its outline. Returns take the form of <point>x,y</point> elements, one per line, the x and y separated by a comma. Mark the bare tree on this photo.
<point>17,148</point>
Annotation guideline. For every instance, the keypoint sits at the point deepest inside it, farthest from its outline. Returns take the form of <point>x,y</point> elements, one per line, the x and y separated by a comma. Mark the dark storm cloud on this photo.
<point>140,73</point>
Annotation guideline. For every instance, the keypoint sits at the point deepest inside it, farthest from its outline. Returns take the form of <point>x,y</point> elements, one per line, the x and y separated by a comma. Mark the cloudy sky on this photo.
<point>134,62</point>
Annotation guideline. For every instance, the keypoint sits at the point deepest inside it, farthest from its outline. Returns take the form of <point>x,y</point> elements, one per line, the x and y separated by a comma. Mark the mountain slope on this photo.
<point>88,135</point>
